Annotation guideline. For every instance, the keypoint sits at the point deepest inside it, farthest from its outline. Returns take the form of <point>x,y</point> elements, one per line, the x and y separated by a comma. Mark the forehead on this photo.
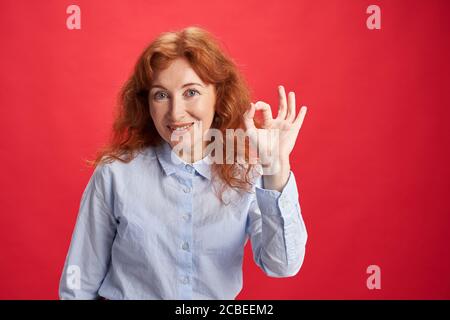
<point>176,74</point>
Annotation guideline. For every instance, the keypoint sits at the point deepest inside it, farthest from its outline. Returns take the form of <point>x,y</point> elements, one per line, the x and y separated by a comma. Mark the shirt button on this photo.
<point>189,168</point>
<point>185,280</point>
<point>185,246</point>
<point>186,217</point>
<point>187,190</point>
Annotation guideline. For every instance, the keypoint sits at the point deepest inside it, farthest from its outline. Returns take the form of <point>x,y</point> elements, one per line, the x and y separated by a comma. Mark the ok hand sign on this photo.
<point>287,123</point>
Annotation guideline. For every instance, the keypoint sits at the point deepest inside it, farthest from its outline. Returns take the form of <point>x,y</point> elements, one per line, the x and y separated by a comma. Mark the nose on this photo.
<point>176,108</point>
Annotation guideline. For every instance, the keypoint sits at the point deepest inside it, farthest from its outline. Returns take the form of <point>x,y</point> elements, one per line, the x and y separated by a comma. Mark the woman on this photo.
<point>164,215</point>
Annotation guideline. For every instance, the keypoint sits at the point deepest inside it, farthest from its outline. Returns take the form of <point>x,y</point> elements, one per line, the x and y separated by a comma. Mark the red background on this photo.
<point>371,160</point>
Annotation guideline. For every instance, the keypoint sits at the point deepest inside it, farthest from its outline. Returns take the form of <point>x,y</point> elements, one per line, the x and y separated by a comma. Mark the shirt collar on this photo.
<point>170,162</point>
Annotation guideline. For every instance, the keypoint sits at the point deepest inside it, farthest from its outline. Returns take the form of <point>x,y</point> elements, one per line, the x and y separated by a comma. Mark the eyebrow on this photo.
<point>184,85</point>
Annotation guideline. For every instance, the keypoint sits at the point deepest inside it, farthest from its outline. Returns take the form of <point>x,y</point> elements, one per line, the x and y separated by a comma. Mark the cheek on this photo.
<point>203,110</point>
<point>156,114</point>
<point>203,115</point>
<point>157,117</point>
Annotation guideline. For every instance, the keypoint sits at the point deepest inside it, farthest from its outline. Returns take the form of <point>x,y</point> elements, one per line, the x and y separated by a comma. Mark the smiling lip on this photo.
<point>178,125</point>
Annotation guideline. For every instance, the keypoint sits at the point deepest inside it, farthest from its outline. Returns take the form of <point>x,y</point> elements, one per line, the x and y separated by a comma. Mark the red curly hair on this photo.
<point>133,127</point>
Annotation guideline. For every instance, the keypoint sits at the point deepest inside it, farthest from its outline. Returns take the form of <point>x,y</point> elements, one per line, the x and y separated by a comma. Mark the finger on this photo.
<point>291,107</point>
<point>248,117</point>
<point>267,112</point>
<point>300,117</point>
<point>283,103</point>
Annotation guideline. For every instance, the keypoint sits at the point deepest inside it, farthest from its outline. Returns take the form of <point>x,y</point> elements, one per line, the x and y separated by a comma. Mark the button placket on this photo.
<point>184,256</point>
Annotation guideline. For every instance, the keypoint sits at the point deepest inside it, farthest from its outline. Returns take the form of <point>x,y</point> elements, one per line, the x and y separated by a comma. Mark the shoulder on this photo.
<point>143,159</point>
<point>112,177</point>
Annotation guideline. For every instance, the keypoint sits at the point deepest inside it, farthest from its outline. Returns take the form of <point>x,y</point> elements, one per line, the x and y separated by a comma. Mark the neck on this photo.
<point>195,153</point>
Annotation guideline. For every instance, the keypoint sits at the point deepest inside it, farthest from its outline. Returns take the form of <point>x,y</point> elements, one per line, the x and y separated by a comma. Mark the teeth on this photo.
<point>182,128</point>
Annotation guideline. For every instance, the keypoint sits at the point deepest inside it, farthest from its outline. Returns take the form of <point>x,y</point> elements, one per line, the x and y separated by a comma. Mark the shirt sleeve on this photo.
<point>89,253</point>
<point>276,229</point>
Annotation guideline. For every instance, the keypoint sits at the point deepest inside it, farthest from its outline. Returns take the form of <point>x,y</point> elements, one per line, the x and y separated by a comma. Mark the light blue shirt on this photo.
<point>155,229</point>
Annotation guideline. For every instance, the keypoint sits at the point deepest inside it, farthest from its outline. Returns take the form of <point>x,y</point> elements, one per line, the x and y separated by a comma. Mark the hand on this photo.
<point>275,152</point>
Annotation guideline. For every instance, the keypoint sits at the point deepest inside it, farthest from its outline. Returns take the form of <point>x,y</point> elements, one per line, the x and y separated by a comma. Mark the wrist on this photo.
<point>277,167</point>
<point>276,176</point>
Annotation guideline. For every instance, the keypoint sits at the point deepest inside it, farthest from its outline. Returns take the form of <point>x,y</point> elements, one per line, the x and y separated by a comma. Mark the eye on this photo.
<point>159,95</point>
<point>192,92</point>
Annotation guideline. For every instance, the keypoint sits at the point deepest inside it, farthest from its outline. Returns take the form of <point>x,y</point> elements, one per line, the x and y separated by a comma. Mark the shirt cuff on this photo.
<point>284,203</point>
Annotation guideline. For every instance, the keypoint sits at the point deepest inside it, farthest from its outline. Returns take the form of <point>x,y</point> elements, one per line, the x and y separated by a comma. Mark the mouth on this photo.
<point>180,128</point>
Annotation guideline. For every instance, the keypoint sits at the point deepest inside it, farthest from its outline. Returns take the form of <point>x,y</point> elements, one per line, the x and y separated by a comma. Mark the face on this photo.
<point>181,104</point>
